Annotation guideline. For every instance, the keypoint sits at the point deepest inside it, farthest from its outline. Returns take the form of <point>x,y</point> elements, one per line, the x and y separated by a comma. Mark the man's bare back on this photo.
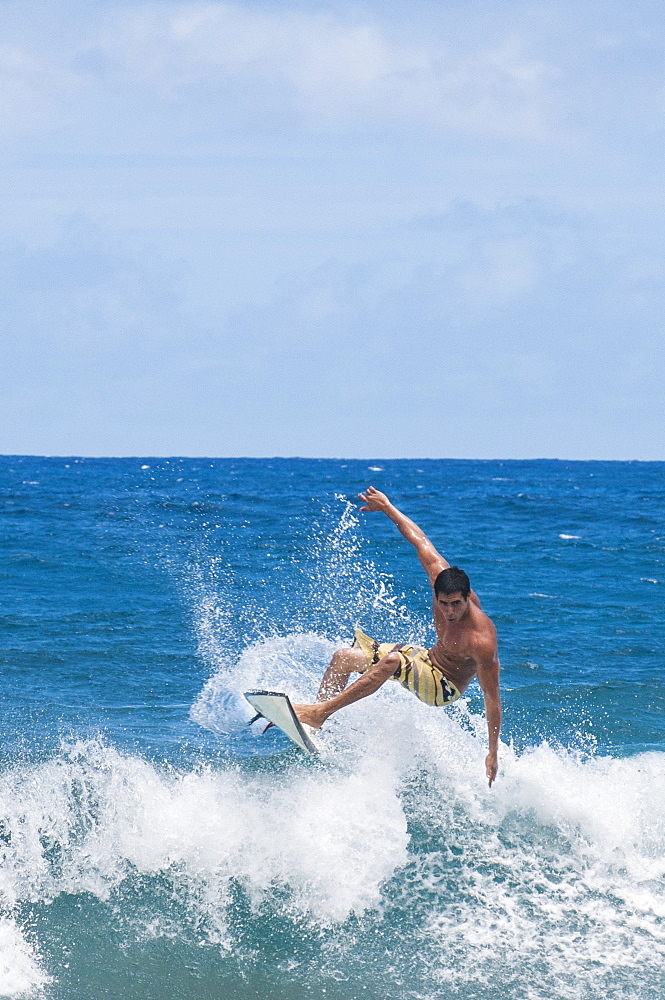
<point>466,644</point>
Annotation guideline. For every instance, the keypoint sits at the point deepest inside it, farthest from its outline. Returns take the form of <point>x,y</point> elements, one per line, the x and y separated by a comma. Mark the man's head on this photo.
<point>451,592</point>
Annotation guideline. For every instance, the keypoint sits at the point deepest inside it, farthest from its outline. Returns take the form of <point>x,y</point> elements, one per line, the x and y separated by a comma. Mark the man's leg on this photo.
<point>345,662</point>
<point>371,681</point>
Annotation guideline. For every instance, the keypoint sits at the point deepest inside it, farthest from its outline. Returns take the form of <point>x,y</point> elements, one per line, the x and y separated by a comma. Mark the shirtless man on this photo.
<point>465,646</point>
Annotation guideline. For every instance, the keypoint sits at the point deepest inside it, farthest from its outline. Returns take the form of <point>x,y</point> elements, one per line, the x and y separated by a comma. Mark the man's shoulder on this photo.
<point>481,619</point>
<point>484,633</point>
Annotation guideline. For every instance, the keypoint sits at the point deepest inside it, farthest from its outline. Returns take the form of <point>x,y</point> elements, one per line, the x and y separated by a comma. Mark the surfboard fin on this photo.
<point>276,708</point>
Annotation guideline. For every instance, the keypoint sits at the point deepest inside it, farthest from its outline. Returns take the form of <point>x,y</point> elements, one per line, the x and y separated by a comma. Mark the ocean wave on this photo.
<point>550,883</point>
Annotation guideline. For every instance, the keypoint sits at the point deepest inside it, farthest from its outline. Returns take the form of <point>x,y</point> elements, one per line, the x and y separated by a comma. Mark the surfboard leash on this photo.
<point>255,719</point>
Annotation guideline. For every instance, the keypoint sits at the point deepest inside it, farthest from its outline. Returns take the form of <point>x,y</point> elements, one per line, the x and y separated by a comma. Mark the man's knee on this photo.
<point>387,665</point>
<point>349,658</point>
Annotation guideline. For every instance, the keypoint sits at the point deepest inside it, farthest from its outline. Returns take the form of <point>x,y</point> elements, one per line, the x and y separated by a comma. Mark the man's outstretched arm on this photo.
<point>431,560</point>
<point>488,678</point>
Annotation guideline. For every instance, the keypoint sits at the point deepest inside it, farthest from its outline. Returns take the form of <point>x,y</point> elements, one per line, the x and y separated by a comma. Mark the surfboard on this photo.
<point>275,707</point>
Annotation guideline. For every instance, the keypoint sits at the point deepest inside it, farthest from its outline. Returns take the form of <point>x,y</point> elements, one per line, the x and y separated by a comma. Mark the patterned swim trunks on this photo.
<point>416,672</point>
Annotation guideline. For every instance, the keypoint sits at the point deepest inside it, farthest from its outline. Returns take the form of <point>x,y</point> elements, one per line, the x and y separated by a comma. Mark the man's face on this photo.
<point>452,605</point>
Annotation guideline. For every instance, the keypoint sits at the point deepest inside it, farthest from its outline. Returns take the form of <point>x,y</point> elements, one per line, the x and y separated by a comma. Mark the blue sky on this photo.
<point>333,229</point>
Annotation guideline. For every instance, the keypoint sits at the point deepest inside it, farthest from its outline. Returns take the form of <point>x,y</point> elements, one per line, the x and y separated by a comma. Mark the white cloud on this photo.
<point>338,73</point>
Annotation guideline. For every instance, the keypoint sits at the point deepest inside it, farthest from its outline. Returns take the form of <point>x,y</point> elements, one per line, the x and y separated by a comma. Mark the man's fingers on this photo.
<point>370,497</point>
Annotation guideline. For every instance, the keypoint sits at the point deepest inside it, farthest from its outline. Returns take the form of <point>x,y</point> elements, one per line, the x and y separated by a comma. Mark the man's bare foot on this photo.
<point>311,715</point>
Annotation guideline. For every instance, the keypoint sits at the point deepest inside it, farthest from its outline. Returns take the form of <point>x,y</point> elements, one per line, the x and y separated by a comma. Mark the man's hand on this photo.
<point>491,767</point>
<point>374,500</point>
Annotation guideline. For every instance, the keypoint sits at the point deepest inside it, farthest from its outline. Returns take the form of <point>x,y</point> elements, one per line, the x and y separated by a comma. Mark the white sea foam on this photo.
<point>20,971</point>
<point>559,867</point>
<point>92,818</point>
<point>562,863</point>
<point>557,871</point>
<point>562,872</point>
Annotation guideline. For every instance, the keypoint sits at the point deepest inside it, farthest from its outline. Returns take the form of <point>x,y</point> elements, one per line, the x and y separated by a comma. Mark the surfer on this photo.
<point>465,647</point>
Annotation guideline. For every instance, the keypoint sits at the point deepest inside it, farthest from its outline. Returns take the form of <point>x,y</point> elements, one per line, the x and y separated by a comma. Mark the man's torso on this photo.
<point>455,651</point>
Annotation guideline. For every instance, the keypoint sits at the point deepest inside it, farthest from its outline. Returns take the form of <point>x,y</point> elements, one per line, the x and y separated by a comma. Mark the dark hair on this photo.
<point>452,581</point>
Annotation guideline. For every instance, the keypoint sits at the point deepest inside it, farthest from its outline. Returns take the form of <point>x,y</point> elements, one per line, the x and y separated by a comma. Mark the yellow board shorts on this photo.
<point>416,671</point>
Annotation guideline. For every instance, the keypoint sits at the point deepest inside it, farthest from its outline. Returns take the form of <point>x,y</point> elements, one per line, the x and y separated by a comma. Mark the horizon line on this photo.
<point>314,458</point>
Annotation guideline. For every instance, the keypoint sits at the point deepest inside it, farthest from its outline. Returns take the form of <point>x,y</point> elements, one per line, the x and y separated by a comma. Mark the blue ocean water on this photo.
<point>156,845</point>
